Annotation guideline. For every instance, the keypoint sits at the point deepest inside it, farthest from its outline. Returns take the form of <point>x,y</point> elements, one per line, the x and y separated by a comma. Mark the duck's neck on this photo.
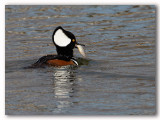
<point>65,52</point>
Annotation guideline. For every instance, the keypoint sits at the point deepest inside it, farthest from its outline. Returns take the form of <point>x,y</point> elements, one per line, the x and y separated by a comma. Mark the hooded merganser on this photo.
<point>65,42</point>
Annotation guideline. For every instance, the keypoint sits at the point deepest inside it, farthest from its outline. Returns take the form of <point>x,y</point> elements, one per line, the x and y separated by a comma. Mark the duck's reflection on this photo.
<point>63,84</point>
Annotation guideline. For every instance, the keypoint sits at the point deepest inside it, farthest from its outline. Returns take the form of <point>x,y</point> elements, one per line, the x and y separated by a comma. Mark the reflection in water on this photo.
<point>64,79</point>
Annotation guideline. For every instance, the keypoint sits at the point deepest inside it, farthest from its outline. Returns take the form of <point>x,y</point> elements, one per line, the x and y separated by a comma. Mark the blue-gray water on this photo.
<point>118,80</point>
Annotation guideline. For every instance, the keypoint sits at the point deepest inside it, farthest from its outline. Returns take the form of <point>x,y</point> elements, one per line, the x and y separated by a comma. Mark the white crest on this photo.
<point>61,39</point>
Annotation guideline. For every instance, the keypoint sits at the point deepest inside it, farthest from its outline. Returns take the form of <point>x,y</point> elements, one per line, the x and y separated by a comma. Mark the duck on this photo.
<point>65,42</point>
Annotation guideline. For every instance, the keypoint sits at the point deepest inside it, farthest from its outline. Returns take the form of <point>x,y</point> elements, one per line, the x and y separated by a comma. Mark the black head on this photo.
<point>64,41</point>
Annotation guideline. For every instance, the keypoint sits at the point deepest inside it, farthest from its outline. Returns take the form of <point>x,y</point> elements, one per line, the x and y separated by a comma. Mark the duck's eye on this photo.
<point>73,40</point>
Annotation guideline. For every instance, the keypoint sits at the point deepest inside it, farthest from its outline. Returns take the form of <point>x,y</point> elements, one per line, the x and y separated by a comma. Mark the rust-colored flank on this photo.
<point>57,62</point>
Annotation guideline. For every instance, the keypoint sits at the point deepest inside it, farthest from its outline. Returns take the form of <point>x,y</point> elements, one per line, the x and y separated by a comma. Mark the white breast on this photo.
<point>61,39</point>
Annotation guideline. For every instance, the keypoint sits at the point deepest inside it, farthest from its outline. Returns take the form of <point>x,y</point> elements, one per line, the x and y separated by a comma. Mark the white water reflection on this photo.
<point>64,79</point>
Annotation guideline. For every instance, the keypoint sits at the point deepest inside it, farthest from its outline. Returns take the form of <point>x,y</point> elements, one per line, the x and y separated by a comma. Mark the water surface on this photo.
<point>119,78</point>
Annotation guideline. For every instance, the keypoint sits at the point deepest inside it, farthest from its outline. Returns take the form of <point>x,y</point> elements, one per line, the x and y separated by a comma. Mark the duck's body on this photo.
<point>65,42</point>
<point>55,60</point>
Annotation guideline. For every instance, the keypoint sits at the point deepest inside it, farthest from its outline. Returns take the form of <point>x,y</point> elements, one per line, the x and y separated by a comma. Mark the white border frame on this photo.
<point>68,2</point>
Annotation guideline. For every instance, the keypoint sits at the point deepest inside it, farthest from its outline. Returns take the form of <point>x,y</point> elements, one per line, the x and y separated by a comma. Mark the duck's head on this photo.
<point>65,42</point>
